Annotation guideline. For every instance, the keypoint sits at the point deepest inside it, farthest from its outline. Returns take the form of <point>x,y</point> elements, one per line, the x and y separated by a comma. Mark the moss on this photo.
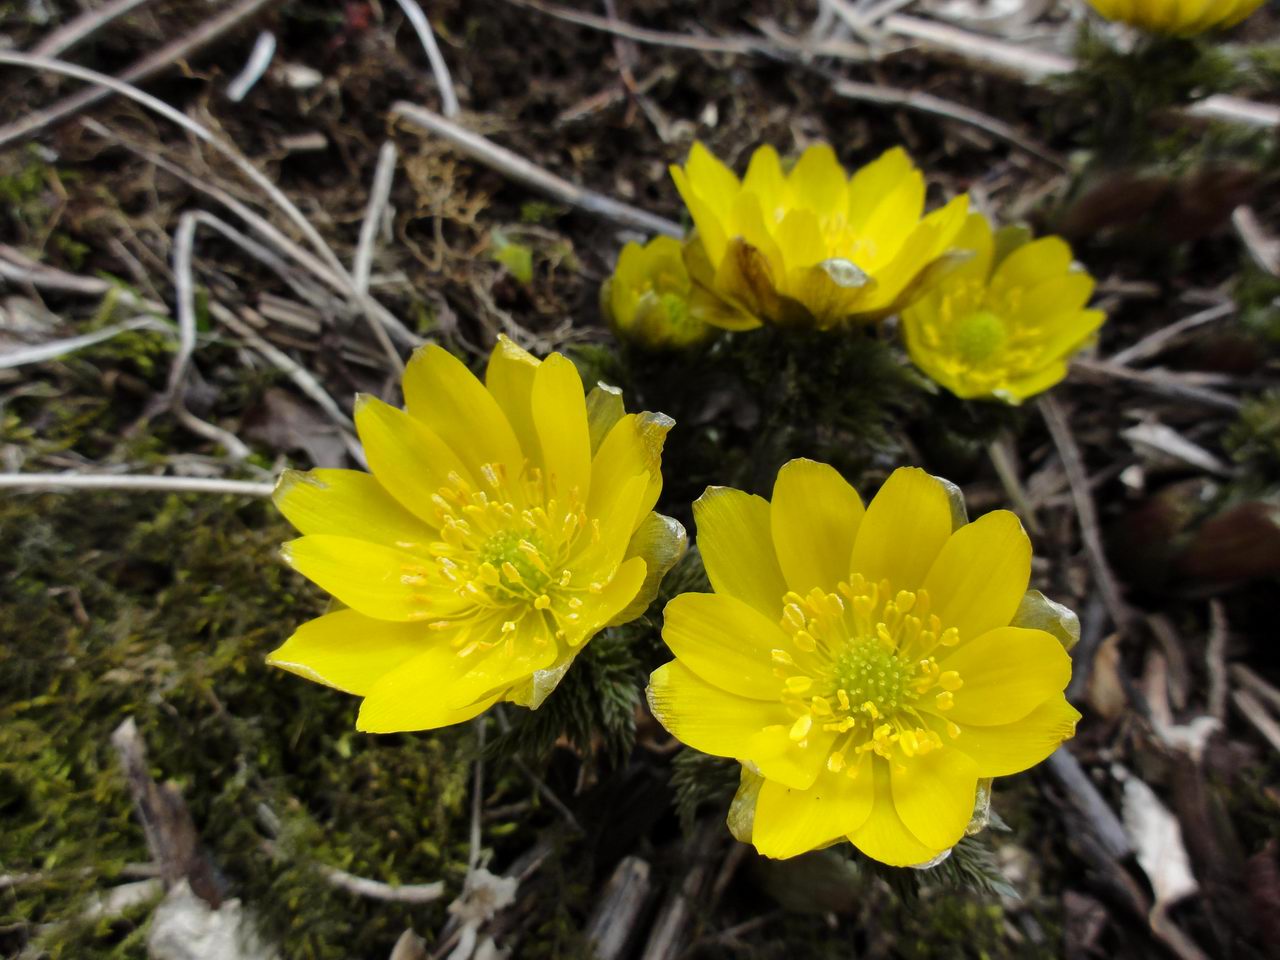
<point>162,609</point>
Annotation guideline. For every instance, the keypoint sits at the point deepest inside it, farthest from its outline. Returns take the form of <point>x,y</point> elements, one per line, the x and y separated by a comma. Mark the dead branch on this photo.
<point>85,25</point>
<point>166,821</point>
<point>1086,510</point>
<point>180,49</point>
<point>55,482</point>
<point>518,168</point>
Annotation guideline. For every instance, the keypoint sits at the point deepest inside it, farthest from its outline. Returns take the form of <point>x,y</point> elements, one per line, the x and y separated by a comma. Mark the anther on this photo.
<point>800,729</point>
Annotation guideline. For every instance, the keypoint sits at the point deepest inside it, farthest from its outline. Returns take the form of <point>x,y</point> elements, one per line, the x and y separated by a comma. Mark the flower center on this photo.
<point>503,554</point>
<point>869,673</point>
<point>979,335</point>
<point>863,667</point>
<point>676,308</point>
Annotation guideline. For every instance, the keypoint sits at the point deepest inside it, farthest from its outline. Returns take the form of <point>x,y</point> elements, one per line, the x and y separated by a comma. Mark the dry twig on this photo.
<point>422,27</point>
<point>938,107</point>
<point>1153,343</point>
<point>1086,510</point>
<point>153,63</point>
<point>1264,250</point>
<point>518,168</point>
<point>134,483</point>
<point>88,23</point>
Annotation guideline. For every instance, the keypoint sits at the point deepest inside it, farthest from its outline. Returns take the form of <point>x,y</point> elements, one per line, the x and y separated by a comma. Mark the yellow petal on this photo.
<point>413,696</point>
<point>347,503</point>
<point>934,795</point>
<point>764,178</point>
<point>632,448</point>
<point>818,182</point>
<point>711,225</point>
<point>873,182</point>
<point>1031,265</point>
<point>1070,332</point>
<point>814,517</point>
<point>981,574</point>
<point>895,218</point>
<point>601,550</point>
<point>977,237</point>
<point>791,822</point>
<point>1052,298</point>
<point>1007,673</point>
<point>781,759</point>
<point>350,651</point>
<point>485,674</point>
<point>410,461</point>
<point>1038,382</point>
<point>884,836</point>
<point>509,379</point>
<point>606,607</point>
<point>560,417</point>
<point>441,392</point>
<point>747,279</point>
<point>748,222</point>
<point>922,257</point>
<point>604,409</point>
<point>715,182</point>
<point>706,717</point>
<point>737,550</point>
<point>1013,747</point>
<point>801,240</point>
<point>368,577</point>
<point>726,642</point>
<point>904,529</point>
<point>661,542</point>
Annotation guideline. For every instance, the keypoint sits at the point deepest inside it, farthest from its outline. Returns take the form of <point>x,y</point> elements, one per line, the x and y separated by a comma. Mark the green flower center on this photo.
<point>867,672</point>
<point>513,547</point>
<point>864,665</point>
<point>979,335</point>
<point>676,308</point>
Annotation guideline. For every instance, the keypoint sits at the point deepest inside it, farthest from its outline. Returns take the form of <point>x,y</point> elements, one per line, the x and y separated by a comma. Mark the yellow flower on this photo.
<point>1005,323</point>
<point>503,525</point>
<point>647,298</point>
<point>812,248</point>
<point>1178,18</point>
<point>869,668</point>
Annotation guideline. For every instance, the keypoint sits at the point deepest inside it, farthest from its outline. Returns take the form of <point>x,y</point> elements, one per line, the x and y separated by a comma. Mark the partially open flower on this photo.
<point>869,668</point>
<point>647,298</point>
<point>1005,323</point>
<point>1177,18</point>
<point>502,526</point>
<point>813,247</point>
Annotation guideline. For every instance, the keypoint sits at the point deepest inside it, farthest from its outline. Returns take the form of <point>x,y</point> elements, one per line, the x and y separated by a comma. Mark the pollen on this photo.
<point>864,667</point>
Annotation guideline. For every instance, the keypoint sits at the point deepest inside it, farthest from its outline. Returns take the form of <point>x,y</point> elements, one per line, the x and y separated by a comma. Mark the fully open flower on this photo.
<point>503,525</point>
<point>1178,18</point>
<point>1005,323</point>
<point>647,298</point>
<point>813,247</point>
<point>869,668</point>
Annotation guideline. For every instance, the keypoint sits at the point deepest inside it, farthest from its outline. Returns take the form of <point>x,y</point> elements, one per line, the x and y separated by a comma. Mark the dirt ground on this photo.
<point>1149,480</point>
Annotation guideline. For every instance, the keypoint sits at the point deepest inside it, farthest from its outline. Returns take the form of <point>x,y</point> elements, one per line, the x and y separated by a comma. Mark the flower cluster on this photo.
<point>815,248</point>
<point>871,669</point>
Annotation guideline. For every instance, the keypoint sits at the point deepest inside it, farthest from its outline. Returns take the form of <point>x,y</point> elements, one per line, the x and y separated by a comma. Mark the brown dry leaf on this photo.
<point>1106,691</point>
<point>283,422</point>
